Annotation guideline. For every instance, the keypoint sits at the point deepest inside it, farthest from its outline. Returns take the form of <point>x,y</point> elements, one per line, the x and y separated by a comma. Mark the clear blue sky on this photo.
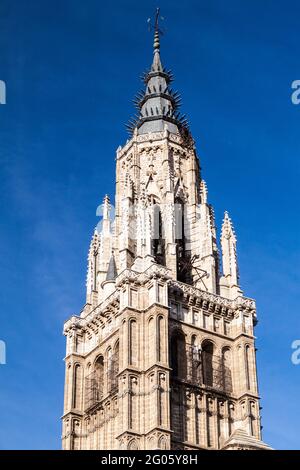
<point>71,69</point>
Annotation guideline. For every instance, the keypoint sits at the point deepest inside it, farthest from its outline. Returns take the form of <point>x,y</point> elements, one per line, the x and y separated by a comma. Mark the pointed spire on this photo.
<point>227,228</point>
<point>112,269</point>
<point>229,256</point>
<point>91,279</point>
<point>156,65</point>
<point>158,104</point>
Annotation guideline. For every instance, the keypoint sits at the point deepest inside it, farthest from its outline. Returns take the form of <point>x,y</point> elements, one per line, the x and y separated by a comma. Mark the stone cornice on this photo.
<point>206,300</point>
<point>102,310</point>
<point>212,302</point>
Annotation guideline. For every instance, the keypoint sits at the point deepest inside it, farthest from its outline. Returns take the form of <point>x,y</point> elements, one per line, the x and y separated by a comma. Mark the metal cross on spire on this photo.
<point>155,27</point>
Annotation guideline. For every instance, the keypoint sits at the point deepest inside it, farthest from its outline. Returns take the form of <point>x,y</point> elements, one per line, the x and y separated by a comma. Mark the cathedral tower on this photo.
<point>162,354</point>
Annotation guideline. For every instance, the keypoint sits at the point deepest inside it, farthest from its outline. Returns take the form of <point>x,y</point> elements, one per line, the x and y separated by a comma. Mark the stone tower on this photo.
<point>162,354</point>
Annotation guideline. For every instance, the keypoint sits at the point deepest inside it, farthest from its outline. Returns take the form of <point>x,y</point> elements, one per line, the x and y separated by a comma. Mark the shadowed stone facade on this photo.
<point>162,355</point>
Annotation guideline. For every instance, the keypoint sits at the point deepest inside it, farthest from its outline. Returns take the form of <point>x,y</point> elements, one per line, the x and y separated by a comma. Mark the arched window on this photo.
<point>151,340</point>
<point>207,363</point>
<point>162,443</point>
<point>133,403</point>
<point>133,342</point>
<point>158,241</point>
<point>109,368</point>
<point>68,386</point>
<point>77,391</point>
<point>179,222</point>
<point>97,380</point>
<point>151,443</point>
<point>161,339</point>
<point>178,355</point>
<point>115,367</point>
<point>133,445</point>
<point>226,370</point>
<point>180,240</point>
<point>247,366</point>
<point>194,361</point>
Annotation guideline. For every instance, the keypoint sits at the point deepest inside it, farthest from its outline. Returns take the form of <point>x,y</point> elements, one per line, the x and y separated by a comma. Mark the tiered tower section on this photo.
<point>162,354</point>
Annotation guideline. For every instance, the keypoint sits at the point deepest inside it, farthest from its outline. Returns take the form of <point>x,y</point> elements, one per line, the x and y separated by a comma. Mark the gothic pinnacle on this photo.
<point>227,227</point>
<point>106,207</point>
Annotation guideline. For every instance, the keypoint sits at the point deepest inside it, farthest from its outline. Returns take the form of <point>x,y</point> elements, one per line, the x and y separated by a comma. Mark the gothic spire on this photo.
<point>229,256</point>
<point>227,228</point>
<point>158,105</point>
<point>156,65</point>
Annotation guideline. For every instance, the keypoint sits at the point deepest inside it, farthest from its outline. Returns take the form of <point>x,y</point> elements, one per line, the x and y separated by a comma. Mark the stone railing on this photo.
<point>154,271</point>
<point>211,298</point>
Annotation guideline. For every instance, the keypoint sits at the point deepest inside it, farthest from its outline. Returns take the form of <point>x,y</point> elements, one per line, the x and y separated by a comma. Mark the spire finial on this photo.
<point>157,30</point>
<point>158,105</point>
<point>156,43</point>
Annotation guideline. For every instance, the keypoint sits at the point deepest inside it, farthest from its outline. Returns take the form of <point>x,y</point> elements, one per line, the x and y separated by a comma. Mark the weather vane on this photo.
<point>155,26</point>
